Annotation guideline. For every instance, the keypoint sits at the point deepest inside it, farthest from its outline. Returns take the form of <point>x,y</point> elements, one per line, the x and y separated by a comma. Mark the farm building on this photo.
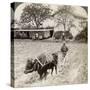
<point>40,34</point>
<point>34,34</point>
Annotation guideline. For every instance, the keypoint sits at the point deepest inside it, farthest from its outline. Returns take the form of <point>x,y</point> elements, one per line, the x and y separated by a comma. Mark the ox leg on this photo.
<point>46,75</point>
<point>41,76</point>
<point>52,71</point>
<point>56,68</point>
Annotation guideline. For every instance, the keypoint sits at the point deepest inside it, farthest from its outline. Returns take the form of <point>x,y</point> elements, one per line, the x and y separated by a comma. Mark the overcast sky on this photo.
<point>77,10</point>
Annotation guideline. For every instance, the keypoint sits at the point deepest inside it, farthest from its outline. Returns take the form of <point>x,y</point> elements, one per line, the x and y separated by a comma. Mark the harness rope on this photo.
<point>39,62</point>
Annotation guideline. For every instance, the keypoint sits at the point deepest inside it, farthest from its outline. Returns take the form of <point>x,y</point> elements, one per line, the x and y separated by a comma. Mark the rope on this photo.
<point>39,62</point>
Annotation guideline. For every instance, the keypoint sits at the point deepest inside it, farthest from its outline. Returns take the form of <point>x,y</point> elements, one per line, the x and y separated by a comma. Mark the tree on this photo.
<point>35,14</point>
<point>64,17</point>
<point>83,35</point>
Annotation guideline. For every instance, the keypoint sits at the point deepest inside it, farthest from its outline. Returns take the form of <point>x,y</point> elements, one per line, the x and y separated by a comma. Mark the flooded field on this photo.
<point>75,70</point>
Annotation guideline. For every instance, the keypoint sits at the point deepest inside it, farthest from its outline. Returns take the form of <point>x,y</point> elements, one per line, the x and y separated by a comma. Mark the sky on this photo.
<point>77,10</point>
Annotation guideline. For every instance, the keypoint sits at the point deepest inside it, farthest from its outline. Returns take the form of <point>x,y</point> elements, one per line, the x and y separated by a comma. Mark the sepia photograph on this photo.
<point>49,44</point>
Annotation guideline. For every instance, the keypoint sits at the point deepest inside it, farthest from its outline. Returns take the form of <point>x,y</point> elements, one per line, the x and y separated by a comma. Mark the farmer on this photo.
<point>64,50</point>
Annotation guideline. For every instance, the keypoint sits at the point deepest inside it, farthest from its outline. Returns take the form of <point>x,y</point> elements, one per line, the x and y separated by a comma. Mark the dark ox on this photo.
<point>35,65</point>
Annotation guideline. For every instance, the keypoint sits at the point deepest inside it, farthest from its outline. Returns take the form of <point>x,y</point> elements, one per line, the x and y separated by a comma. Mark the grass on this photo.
<point>75,70</point>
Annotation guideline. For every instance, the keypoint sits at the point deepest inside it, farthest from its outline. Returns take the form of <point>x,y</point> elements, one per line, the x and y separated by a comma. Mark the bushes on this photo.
<point>59,35</point>
<point>82,36</point>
